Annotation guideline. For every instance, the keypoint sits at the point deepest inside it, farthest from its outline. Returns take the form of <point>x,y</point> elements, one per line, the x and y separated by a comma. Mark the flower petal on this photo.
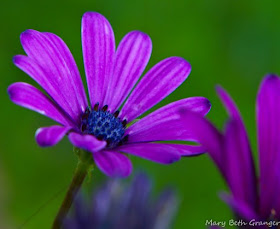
<point>73,74</point>
<point>187,150</point>
<point>242,210</point>
<point>49,136</point>
<point>207,135</point>
<point>26,95</point>
<point>238,152</point>
<point>112,163</point>
<point>268,122</point>
<point>35,71</point>
<point>228,103</point>
<point>155,152</point>
<point>56,69</point>
<point>240,173</point>
<point>165,123</point>
<point>277,189</point>
<point>86,142</point>
<point>98,43</point>
<point>132,56</point>
<point>158,83</point>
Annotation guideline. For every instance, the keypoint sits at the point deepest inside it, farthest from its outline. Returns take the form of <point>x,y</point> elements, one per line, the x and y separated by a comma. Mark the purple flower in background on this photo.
<point>100,127</point>
<point>251,198</point>
<point>118,205</point>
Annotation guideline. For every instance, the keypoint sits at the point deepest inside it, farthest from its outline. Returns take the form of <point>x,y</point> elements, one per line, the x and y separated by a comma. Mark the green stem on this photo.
<point>84,164</point>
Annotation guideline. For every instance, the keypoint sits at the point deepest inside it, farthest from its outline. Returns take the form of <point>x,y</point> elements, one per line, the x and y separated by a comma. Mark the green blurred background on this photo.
<point>232,43</point>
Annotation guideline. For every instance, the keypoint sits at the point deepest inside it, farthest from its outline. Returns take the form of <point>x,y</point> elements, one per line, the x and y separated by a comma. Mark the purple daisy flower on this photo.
<point>100,127</point>
<point>118,204</point>
<point>251,198</point>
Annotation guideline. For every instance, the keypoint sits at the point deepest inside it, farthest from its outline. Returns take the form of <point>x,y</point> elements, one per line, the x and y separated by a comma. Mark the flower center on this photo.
<point>103,125</point>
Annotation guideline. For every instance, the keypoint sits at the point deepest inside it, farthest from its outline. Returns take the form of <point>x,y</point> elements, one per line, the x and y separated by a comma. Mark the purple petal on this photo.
<point>35,71</point>
<point>277,189</point>
<point>240,208</point>
<point>187,150</point>
<point>268,122</point>
<point>155,152</point>
<point>112,163</point>
<point>86,142</point>
<point>98,43</point>
<point>73,75</point>
<point>132,56</point>
<point>54,68</point>
<point>228,103</point>
<point>26,95</point>
<point>207,135</point>
<point>49,136</point>
<point>158,83</point>
<point>166,123</point>
<point>240,175</point>
<point>238,152</point>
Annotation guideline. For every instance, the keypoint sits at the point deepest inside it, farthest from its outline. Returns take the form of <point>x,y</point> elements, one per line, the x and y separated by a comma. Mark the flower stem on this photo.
<point>84,164</point>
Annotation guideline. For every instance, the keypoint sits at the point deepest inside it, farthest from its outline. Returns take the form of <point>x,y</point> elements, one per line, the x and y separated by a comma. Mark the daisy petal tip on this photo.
<point>186,66</point>
<point>271,78</point>
<point>146,40</point>
<point>219,89</point>
<point>142,38</point>
<point>208,105</point>
<point>20,61</point>
<point>170,159</point>
<point>12,90</point>
<point>16,59</point>
<point>143,35</point>
<point>94,16</point>
<point>27,38</point>
<point>181,61</point>
<point>217,86</point>
<point>195,155</point>
<point>25,34</point>
<point>173,160</point>
<point>183,64</point>
<point>39,140</point>
<point>50,136</point>
<point>270,81</point>
<point>43,144</point>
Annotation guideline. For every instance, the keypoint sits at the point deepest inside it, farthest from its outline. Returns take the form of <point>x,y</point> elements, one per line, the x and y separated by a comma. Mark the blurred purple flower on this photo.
<point>251,198</point>
<point>100,127</point>
<point>119,205</point>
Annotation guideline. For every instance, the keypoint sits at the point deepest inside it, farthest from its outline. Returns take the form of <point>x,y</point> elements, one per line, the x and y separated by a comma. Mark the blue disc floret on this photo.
<point>103,125</point>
